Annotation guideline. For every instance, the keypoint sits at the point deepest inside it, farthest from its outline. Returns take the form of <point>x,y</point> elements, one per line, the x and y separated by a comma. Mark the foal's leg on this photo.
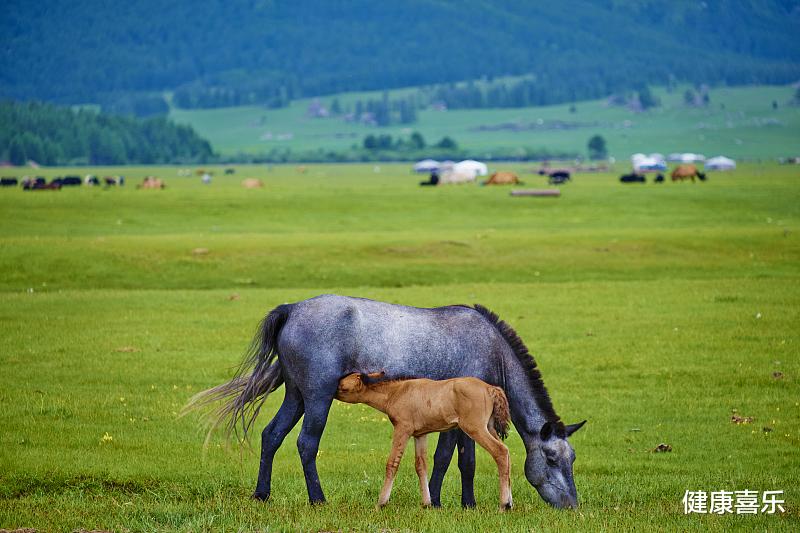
<point>499,452</point>
<point>272,437</point>
<point>421,464</point>
<point>316,415</point>
<point>399,441</point>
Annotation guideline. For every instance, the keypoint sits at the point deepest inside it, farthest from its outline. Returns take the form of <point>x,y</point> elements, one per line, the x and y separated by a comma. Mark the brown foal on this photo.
<point>417,407</point>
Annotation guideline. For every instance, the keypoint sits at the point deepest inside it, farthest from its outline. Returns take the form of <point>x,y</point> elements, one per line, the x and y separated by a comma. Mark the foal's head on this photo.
<point>353,386</point>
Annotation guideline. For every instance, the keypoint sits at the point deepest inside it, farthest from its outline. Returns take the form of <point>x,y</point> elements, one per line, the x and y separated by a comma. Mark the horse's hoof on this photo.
<point>505,507</point>
<point>469,505</point>
<point>260,496</point>
<point>317,502</point>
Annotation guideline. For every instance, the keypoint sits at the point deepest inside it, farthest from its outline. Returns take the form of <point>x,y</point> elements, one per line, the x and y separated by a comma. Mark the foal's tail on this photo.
<point>259,374</point>
<point>500,411</point>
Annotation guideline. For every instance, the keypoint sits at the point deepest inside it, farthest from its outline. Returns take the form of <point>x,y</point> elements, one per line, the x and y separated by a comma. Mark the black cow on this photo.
<point>659,179</point>
<point>557,177</point>
<point>9,181</point>
<point>230,170</point>
<point>67,181</point>
<point>633,177</point>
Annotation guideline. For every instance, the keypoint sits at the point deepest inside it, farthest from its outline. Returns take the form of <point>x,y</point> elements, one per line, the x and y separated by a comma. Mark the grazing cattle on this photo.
<point>252,183</point>
<point>558,177</point>
<point>151,182</point>
<point>230,171</point>
<point>68,181</point>
<point>40,184</point>
<point>9,181</point>
<point>503,178</point>
<point>659,179</point>
<point>684,172</point>
<point>633,177</point>
<point>91,180</point>
<point>110,180</point>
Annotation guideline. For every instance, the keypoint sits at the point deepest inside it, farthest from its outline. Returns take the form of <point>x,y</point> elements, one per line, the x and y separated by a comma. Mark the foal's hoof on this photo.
<point>260,496</point>
<point>317,502</point>
<point>505,507</point>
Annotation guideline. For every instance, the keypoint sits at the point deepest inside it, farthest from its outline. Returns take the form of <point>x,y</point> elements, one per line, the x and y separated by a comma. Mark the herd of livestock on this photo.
<point>555,176</point>
<point>40,183</point>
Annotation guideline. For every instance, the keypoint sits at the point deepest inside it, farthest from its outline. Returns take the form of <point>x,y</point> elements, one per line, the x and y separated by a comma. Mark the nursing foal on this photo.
<point>417,407</point>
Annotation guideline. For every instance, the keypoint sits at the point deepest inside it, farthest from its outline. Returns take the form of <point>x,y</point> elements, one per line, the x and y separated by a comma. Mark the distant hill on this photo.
<point>237,52</point>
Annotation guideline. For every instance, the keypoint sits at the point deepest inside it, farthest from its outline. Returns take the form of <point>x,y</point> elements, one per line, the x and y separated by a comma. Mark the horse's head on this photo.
<point>548,465</point>
<point>352,386</point>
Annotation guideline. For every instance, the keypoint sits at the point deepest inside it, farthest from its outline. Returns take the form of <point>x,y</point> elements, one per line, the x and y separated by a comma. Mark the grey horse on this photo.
<point>309,345</point>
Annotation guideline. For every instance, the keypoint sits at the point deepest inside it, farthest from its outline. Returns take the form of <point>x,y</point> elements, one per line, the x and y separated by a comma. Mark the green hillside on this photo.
<point>246,51</point>
<point>738,122</point>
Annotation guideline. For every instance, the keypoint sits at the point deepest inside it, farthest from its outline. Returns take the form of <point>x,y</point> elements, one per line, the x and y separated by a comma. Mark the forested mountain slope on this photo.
<point>262,51</point>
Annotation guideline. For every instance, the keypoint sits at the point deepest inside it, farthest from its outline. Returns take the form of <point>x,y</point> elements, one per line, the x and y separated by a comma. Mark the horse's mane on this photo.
<point>529,365</point>
<point>366,380</point>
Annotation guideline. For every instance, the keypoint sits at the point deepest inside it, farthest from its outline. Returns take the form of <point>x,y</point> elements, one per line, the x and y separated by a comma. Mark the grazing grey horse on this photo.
<point>308,346</point>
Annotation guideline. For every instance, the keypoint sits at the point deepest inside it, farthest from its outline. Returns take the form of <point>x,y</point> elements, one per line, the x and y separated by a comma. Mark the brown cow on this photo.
<point>503,178</point>
<point>684,172</point>
<point>151,182</point>
<point>252,183</point>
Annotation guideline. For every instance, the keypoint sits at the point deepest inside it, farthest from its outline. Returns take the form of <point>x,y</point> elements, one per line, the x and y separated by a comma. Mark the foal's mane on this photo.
<point>528,364</point>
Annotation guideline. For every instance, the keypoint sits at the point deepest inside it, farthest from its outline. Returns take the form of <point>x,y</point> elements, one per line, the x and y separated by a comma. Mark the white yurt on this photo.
<point>643,163</point>
<point>720,163</point>
<point>469,166</point>
<point>426,165</point>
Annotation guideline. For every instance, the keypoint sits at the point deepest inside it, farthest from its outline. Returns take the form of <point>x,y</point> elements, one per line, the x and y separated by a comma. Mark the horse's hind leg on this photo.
<point>316,416</point>
<point>272,437</point>
<point>441,460</point>
<point>466,465</point>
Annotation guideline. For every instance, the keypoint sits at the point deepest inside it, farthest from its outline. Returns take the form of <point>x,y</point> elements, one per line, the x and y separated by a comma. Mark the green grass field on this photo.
<point>654,311</point>
<point>747,126</point>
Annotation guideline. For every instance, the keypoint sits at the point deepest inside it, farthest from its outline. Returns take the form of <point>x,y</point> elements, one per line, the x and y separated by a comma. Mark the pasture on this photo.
<point>654,311</point>
<point>739,122</point>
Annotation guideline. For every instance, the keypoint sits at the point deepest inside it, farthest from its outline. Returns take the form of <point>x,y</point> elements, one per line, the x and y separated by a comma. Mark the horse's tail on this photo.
<point>259,374</point>
<point>500,412</point>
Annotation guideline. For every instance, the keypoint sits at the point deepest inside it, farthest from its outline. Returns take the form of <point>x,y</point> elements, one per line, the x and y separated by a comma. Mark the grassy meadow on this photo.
<point>740,122</point>
<point>654,311</point>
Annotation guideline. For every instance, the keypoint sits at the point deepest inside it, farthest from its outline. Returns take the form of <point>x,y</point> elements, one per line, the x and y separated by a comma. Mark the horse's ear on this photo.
<point>547,431</point>
<point>572,428</point>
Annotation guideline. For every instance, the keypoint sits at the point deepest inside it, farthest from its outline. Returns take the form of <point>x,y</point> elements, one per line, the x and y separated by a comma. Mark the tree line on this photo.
<point>53,135</point>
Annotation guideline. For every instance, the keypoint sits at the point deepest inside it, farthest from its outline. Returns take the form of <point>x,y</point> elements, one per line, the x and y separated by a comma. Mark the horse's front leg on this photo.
<point>399,441</point>
<point>272,437</point>
<point>421,465</point>
<point>316,416</point>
